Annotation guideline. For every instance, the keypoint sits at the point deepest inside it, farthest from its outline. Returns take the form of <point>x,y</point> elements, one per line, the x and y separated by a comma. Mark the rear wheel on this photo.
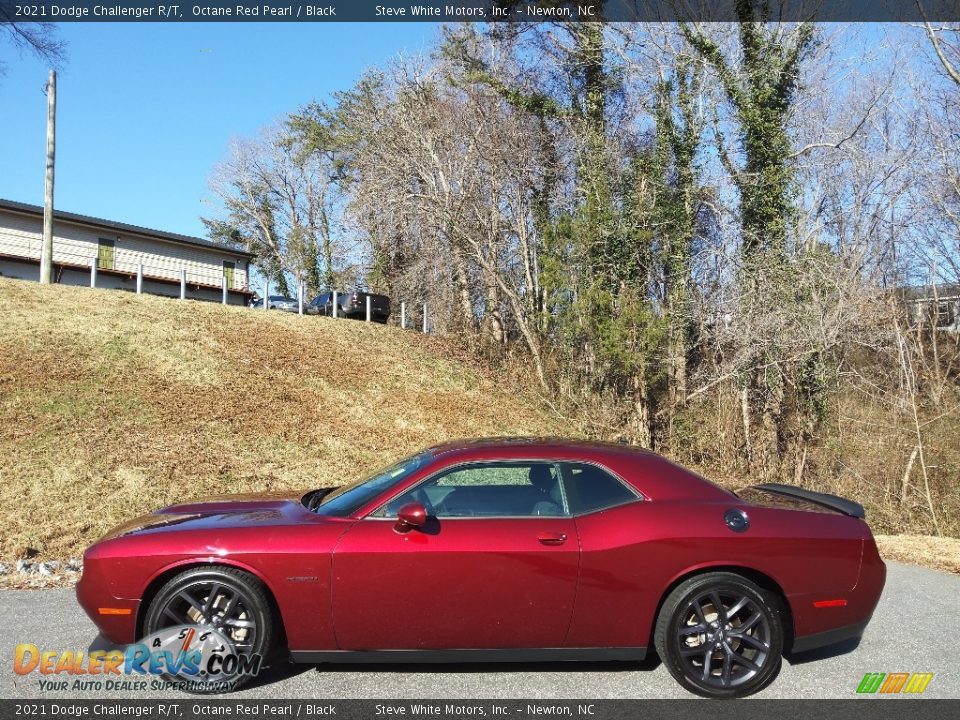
<point>227,600</point>
<point>720,635</point>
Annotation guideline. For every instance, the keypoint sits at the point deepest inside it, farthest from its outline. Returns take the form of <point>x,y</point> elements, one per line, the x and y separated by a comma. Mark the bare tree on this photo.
<point>40,38</point>
<point>281,204</point>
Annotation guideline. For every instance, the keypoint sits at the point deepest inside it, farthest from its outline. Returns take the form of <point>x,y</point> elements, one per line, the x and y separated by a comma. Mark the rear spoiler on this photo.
<point>847,507</point>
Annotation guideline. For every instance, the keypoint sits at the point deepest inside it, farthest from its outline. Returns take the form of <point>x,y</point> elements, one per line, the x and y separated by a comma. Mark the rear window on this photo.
<point>590,488</point>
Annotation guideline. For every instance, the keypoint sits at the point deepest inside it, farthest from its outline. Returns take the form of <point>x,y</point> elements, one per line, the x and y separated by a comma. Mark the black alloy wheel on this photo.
<point>227,600</point>
<point>720,635</point>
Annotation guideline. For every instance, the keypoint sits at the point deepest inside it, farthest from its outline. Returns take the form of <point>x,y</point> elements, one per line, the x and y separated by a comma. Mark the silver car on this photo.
<point>277,302</point>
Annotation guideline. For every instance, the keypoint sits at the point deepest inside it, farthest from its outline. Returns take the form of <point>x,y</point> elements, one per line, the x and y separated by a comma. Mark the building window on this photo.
<point>105,249</point>
<point>945,314</point>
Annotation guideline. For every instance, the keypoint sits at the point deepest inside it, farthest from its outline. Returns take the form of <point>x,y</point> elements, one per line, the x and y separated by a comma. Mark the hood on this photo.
<point>241,502</point>
<point>222,511</point>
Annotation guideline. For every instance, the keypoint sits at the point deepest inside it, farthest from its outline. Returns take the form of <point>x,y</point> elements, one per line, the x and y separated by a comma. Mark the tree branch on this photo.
<point>947,65</point>
<point>836,146</point>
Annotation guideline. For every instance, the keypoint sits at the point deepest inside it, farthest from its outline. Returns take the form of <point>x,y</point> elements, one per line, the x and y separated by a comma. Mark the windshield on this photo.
<point>348,499</point>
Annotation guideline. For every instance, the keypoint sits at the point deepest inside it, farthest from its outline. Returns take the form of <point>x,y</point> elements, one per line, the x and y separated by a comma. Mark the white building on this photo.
<point>934,307</point>
<point>119,251</point>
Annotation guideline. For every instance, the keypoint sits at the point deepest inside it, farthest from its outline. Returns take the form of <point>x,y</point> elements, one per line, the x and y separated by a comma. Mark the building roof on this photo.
<point>944,291</point>
<point>119,227</point>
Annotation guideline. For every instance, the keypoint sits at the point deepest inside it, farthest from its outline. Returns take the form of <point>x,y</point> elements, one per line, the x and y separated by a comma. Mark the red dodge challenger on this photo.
<point>504,549</point>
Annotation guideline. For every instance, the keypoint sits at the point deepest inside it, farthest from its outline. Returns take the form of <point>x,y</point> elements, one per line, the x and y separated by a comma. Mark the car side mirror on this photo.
<point>410,516</point>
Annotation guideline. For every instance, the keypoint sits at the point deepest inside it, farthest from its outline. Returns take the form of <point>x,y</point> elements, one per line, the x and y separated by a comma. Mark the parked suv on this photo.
<point>351,305</point>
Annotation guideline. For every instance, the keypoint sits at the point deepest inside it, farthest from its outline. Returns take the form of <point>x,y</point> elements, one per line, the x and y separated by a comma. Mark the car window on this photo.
<point>350,498</point>
<point>589,488</point>
<point>508,489</point>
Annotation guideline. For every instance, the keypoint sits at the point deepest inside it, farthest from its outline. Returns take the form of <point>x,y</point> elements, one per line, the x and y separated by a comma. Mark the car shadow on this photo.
<point>101,644</point>
<point>276,671</point>
<point>829,651</point>
<point>280,670</point>
<point>649,663</point>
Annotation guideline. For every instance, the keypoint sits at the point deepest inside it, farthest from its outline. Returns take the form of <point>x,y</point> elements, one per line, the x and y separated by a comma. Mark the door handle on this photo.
<point>552,538</point>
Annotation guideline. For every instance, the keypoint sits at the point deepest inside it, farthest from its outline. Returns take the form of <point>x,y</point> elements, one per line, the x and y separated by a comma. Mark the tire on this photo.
<point>705,650</point>
<point>252,605</point>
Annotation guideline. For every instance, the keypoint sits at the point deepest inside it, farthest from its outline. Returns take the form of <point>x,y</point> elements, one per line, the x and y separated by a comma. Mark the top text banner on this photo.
<point>516,11</point>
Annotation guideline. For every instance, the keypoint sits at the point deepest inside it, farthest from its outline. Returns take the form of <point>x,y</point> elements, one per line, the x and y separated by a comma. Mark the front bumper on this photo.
<point>116,618</point>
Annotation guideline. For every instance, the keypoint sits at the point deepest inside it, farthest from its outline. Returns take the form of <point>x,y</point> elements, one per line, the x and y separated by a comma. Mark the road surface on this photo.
<point>913,630</point>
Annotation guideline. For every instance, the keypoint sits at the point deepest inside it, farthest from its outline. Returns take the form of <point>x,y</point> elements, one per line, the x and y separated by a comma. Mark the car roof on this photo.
<point>536,445</point>
<point>542,447</point>
<point>651,473</point>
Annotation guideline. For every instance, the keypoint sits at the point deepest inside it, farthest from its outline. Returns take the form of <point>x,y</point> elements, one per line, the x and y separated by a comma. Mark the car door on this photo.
<point>495,566</point>
<point>614,592</point>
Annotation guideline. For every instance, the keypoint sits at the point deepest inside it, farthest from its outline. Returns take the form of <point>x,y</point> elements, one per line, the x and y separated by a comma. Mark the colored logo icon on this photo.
<point>894,683</point>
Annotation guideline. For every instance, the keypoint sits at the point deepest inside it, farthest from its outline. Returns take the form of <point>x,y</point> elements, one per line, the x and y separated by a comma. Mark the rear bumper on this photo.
<point>816,627</point>
<point>829,637</point>
<point>359,311</point>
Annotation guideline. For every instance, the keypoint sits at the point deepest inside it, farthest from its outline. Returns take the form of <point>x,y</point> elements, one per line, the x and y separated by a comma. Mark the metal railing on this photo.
<point>335,306</point>
<point>68,258</point>
<point>65,255</point>
<point>210,280</point>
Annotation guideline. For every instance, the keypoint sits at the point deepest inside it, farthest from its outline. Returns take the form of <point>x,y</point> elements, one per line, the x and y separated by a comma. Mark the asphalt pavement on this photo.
<point>913,630</point>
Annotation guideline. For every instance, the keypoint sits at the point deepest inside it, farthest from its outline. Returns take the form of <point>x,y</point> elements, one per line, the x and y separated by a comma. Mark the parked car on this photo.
<point>322,304</point>
<point>278,302</point>
<point>351,305</point>
<point>504,549</point>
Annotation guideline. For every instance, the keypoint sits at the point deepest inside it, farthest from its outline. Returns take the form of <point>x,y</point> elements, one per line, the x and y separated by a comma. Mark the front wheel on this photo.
<point>720,635</point>
<point>226,600</point>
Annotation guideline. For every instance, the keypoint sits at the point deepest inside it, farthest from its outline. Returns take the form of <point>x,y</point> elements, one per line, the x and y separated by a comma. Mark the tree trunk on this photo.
<point>745,418</point>
<point>770,442</point>
<point>464,297</point>
<point>494,320</point>
<point>642,415</point>
<point>328,279</point>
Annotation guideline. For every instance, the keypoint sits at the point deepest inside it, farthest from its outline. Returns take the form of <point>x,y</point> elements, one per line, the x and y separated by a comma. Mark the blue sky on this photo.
<point>146,110</point>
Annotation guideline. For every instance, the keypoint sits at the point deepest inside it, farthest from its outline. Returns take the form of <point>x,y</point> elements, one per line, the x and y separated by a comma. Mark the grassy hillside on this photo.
<point>113,404</point>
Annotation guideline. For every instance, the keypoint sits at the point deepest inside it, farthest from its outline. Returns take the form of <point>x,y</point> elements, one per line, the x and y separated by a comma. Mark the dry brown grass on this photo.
<point>113,404</point>
<point>939,553</point>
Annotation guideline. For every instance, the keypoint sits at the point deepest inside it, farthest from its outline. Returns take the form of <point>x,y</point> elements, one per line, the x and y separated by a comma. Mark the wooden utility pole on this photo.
<point>46,251</point>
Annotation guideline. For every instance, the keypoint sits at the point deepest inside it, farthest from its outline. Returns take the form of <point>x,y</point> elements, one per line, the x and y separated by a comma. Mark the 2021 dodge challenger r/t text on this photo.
<point>506,549</point>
